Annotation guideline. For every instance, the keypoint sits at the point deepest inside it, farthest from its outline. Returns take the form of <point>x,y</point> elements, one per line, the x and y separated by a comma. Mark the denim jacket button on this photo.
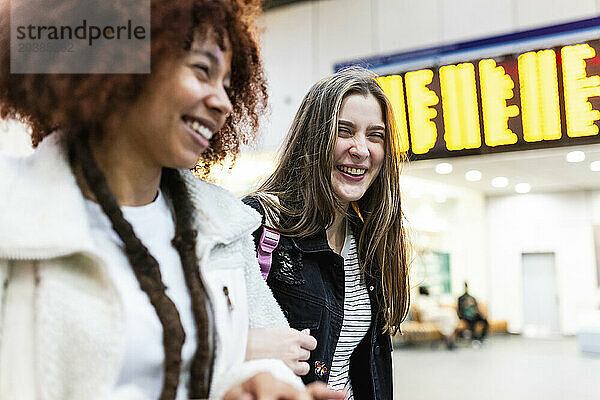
<point>377,350</point>
<point>371,288</point>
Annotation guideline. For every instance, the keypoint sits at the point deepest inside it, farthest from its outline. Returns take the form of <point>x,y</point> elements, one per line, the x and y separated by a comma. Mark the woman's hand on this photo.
<point>264,386</point>
<point>320,391</point>
<point>291,346</point>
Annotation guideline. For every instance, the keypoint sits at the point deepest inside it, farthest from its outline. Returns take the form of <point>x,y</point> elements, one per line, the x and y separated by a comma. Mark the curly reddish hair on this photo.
<point>48,102</point>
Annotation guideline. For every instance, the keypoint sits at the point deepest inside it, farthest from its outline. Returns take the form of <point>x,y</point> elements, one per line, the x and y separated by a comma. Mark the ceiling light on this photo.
<point>522,187</point>
<point>443,168</point>
<point>595,166</point>
<point>500,182</point>
<point>473,175</point>
<point>575,156</point>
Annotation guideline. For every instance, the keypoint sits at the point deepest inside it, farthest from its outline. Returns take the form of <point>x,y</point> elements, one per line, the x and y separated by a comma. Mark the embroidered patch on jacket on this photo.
<point>289,263</point>
<point>320,369</point>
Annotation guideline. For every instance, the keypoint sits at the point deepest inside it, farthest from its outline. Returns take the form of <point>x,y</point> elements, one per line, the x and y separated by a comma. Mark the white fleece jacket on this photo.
<point>61,319</point>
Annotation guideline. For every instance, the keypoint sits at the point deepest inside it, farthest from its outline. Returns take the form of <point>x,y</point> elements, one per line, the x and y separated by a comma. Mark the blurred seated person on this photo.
<point>469,312</point>
<point>431,311</point>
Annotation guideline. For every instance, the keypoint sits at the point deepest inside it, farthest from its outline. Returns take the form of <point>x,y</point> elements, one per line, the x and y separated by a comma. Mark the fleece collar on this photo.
<point>44,215</point>
<point>220,215</point>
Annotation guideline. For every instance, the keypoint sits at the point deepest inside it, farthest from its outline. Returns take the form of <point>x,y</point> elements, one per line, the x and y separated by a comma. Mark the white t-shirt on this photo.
<point>153,224</point>
<point>357,318</point>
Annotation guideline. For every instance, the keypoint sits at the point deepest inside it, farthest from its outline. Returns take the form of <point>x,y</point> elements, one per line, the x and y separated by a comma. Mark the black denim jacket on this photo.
<point>307,279</point>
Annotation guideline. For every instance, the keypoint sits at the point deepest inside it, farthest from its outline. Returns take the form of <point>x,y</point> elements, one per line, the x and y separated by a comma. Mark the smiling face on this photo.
<point>359,148</point>
<point>184,105</point>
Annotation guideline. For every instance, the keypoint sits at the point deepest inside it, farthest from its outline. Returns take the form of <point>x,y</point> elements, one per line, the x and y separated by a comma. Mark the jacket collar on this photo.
<point>219,215</point>
<point>44,211</point>
<point>312,244</point>
<point>318,242</point>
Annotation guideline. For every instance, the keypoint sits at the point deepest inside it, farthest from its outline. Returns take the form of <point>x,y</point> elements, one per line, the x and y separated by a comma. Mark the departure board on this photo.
<point>535,99</point>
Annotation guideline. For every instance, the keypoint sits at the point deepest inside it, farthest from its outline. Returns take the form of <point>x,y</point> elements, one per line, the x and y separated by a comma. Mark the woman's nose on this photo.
<point>219,100</point>
<point>359,148</point>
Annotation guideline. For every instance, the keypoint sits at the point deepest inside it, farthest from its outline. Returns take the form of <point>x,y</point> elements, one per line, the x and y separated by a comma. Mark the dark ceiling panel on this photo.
<point>270,4</point>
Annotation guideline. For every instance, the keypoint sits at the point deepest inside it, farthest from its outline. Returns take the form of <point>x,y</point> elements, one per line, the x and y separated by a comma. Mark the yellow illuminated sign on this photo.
<point>496,87</point>
<point>459,104</point>
<point>392,86</point>
<point>420,100</point>
<point>578,89</point>
<point>538,83</point>
<point>481,110</point>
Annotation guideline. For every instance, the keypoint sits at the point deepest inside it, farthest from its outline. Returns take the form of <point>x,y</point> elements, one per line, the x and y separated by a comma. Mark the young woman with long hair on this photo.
<point>122,275</point>
<point>340,267</point>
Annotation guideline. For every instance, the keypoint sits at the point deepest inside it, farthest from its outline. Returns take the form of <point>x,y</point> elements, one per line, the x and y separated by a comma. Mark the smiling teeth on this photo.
<point>200,129</point>
<point>353,171</point>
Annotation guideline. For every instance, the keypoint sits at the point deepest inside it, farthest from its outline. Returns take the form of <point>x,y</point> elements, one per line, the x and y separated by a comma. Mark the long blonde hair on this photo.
<point>307,202</point>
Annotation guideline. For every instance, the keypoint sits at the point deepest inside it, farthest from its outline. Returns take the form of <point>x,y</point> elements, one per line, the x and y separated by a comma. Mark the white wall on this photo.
<point>451,220</point>
<point>559,223</point>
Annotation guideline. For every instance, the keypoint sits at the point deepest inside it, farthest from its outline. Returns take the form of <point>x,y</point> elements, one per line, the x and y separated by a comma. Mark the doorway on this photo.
<point>540,295</point>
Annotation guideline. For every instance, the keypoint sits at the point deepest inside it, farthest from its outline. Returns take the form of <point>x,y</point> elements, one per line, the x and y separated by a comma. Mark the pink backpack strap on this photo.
<point>268,242</point>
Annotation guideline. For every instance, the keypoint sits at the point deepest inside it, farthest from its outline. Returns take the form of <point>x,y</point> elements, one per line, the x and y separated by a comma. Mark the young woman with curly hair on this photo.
<point>122,275</point>
<point>339,270</point>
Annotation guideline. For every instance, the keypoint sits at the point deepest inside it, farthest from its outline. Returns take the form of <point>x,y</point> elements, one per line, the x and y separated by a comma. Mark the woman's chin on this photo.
<point>349,197</point>
<point>188,163</point>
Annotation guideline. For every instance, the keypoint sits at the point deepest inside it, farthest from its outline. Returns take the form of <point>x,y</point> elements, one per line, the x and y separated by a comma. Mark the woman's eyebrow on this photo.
<point>370,127</point>
<point>376,127</point>
<point>206,53</point>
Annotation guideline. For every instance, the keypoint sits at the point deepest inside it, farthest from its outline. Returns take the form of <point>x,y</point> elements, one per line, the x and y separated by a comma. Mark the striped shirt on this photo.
<point>357,318</point>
